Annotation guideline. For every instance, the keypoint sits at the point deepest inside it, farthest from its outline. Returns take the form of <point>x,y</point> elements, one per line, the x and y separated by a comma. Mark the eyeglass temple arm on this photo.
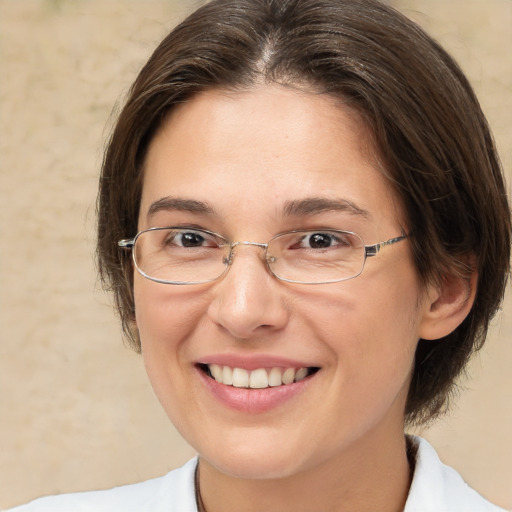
<point>126,244</point>
<point>372,250</point>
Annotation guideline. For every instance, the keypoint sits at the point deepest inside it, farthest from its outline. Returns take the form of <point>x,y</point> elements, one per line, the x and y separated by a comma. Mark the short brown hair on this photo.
<point>431,135</point>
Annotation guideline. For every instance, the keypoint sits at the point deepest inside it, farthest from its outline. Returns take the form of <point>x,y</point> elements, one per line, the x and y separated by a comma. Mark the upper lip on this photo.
<point>255,361</point>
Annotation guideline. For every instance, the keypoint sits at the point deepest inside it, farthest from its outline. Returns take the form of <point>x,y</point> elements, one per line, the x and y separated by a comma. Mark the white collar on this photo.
<point>439,488</point>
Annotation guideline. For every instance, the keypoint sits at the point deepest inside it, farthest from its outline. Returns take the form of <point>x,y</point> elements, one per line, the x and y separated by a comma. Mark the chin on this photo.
<point>255,465</point>
<point>265,455</point>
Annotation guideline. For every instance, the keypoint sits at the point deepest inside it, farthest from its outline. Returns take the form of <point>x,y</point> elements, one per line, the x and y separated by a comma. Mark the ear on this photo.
<point>447,304</point>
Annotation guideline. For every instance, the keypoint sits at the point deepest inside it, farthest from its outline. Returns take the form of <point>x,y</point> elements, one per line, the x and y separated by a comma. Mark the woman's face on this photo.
<point>246,165</point>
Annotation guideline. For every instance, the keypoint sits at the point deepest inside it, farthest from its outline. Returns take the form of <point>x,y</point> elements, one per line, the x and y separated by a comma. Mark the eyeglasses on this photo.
<point>177,255</point>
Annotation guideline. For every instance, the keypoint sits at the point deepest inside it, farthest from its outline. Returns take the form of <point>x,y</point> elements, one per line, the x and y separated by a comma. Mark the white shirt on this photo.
<point>435,488</point>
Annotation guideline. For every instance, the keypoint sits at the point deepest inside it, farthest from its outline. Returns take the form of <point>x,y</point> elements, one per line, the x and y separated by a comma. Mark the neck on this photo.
<point>370,478</point>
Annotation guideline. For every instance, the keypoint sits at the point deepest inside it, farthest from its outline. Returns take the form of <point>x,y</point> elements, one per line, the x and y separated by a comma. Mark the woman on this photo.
<point>304,222</point>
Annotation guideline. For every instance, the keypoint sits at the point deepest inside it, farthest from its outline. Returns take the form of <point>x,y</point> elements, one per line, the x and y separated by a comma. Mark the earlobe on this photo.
<point>447,304</point>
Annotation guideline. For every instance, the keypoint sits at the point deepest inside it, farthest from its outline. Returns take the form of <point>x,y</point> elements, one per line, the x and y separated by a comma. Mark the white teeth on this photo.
<point>301,373</point>
<point>227,376</point>
<point>216,372</point>
<point>240,378</point>
<point>256,379</point>
<point>275,377</point>
<point>288,376</point>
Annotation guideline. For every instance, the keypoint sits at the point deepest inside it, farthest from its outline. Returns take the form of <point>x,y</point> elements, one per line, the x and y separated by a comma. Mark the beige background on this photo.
<point>76,410</point>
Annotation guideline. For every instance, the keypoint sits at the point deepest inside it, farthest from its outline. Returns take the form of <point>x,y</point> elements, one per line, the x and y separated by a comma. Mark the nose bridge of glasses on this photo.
<point>229,259</point>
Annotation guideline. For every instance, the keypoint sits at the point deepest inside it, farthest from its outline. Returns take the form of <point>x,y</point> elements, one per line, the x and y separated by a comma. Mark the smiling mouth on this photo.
<point>260,378</point>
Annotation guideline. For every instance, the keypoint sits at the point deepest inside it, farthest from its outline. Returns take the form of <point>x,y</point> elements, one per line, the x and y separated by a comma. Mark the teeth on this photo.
<point>216,372</point>
<point>289,376</point>
<point>256,379</point>
<point>301,373</point>
<point>240,378</point>
<point>275,377</point>
<point>227,376</point>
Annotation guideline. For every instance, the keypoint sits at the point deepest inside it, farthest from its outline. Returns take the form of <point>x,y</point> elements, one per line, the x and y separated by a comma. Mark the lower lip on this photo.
<point>253,401</point>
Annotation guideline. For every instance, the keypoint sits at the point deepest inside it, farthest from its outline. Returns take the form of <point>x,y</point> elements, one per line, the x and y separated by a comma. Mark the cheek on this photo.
<point>164,314</point>
<point>165,319</point>
<point>371,329</point>
<point>388,325</point>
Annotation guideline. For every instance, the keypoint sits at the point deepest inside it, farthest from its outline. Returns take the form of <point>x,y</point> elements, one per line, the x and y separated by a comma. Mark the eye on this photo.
<point>322,241</point>
<point>191,239</point>
<point>319,240</point>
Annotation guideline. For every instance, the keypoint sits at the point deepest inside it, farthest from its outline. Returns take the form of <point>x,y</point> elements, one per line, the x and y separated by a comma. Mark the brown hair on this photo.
<point>430,132</point>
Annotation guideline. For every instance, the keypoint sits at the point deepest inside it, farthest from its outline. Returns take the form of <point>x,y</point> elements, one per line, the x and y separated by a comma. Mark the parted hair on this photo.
<point>430,134</point>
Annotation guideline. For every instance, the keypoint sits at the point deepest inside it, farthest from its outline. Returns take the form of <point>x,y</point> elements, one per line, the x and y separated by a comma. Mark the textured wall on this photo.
<point>76,411</point>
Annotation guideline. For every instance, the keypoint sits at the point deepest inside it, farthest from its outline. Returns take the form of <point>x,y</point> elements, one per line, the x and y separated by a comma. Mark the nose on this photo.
<point>248,301</point>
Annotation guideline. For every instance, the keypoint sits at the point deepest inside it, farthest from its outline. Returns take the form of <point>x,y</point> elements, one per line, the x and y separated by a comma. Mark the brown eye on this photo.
<point>190,239</point>
<point>320,241</point>
<point>323,240</point>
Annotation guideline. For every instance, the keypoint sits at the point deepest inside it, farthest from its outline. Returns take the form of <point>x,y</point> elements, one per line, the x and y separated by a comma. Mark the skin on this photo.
<point>338,444</point>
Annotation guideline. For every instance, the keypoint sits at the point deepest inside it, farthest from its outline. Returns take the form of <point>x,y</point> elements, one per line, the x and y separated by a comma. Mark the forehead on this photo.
<point>262,149</point>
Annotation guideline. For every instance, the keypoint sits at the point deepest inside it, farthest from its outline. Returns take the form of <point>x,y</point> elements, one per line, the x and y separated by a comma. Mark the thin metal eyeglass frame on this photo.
<point>369,251</point>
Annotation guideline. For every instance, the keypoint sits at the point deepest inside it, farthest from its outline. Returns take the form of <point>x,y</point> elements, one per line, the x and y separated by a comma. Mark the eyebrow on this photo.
<point>293,208</point>
<point>314,205</point>
<point>179,204</point>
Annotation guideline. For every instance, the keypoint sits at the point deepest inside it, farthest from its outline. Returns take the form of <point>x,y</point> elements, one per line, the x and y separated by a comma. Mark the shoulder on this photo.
<point>438,488</point>
<point>172,492</point>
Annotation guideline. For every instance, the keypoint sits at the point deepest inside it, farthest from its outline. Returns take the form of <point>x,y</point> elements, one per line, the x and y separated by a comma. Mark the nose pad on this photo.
<point>248,299</point>
<point>228,260</point>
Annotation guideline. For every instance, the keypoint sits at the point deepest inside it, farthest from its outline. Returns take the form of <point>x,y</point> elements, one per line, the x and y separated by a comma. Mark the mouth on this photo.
<point>260,378</point>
